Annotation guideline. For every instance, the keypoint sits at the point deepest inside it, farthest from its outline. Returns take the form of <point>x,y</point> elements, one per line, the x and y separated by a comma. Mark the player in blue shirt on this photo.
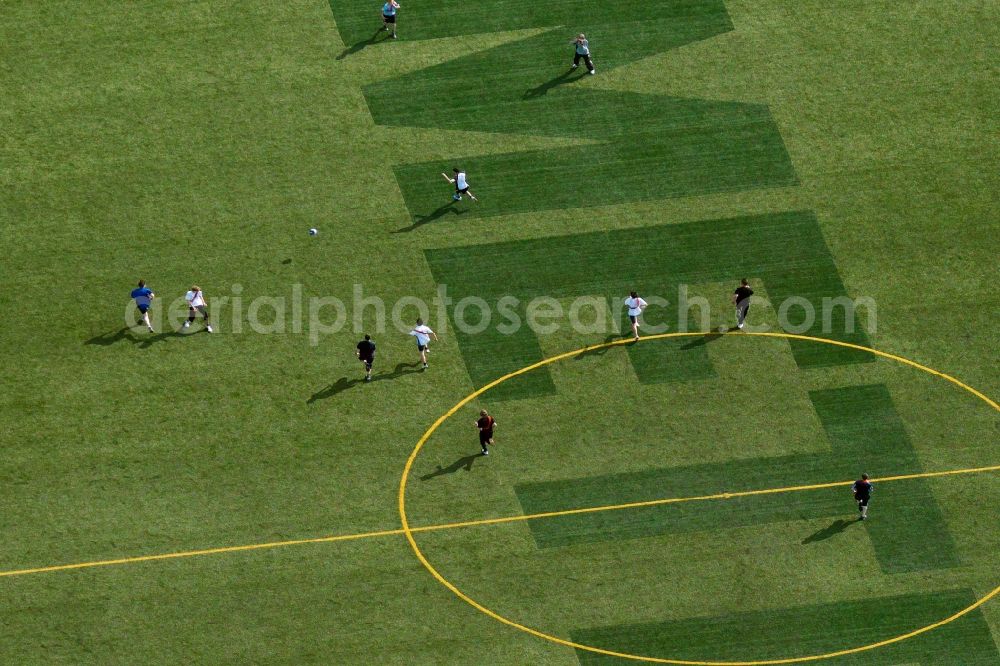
<point>389,16</point>
<point>144,296</point>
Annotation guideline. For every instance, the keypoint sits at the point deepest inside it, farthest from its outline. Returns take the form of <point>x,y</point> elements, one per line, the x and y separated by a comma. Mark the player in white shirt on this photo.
<point>635,307</point>
<point>196,305</point>
<point>461,185</point>
<point>423,333</point>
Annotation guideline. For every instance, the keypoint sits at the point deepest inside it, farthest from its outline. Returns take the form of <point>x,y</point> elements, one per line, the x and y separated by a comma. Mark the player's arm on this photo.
<point>434,335</point>
<point>445,176</point>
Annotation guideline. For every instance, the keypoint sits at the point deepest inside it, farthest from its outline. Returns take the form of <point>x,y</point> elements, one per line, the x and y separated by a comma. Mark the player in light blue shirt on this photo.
<point>389,16</point>
<point>143,296</point>
<point>582,48</point>
<point>423,333</point>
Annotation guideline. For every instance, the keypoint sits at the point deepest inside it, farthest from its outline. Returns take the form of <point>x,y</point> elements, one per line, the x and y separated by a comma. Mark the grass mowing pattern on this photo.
<point>862,423</point>
<point>864,431</point>
<point>786,251</point>
<point>789,632</point>
<point>198,140</point>
<point>650,147</point>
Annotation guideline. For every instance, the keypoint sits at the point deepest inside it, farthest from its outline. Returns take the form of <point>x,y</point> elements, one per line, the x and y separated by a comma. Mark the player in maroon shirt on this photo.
<point>862,490</point>
<point>486,423</point>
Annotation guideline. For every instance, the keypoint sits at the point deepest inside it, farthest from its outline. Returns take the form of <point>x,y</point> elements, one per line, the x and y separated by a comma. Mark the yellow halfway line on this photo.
<point>485,521</point>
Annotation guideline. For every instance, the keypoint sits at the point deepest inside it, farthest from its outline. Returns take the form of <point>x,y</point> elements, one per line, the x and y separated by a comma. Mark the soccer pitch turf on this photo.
<point>244,497</point>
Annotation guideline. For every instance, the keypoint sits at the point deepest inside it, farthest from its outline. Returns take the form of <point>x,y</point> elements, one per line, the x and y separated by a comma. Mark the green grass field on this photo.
<point>822,149</point>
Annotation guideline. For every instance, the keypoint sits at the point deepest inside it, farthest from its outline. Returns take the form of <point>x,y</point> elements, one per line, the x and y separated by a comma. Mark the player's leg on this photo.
<point>576,61</point>
<point>203,309</point>
<point>471,196</point>
<point>145,318</point>
<point>590,64</point>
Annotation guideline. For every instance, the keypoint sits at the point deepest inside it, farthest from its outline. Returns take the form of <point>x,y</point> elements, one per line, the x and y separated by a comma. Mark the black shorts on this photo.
<point>862,501</point>
<point>463,190</point>
<point>143,309</point>
<point>368,362</point>
<point>421,347</point>
<point>633,318</point>
<point>485,436</point>
<point>389,19</point>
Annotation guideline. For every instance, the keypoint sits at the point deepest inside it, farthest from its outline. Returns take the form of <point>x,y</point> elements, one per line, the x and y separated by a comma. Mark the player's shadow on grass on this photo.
<point>462,463</point>
<point>339,386</point>
<point>153,338</point>
<point>397,372</point>
<point>832,530</point>
<point>562,79</point>
<point>421,220</point>
<point>126,334</point>
<point>354,48</point>
<point>344,383</point>
<point>708,337</point>
<point>597,351</point>
<point>110,338</point>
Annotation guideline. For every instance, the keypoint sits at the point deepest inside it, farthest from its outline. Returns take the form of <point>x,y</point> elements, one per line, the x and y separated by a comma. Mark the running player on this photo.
<point>461,185</point>
<point>366,354</point>
<point>196,305</point>
<point>389,16</point>
<point>741,299</point>
<point>423,333</point>
<point>862,490</point>
<point>144,296</point>
<point>635,307</point>
<point>486,423</point>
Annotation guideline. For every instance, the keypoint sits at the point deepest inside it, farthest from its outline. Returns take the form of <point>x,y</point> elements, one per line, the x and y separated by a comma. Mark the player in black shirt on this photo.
<point>741,299</point>
<point>485,424</point>
<point>862,490</point>
<point>366,353</point>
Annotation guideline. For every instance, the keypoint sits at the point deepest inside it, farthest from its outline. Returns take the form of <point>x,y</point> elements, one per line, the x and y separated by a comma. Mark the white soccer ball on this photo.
<point>313,232</point>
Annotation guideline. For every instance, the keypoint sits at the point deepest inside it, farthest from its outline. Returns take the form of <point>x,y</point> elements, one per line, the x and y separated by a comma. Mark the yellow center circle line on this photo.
<point>408,531</point>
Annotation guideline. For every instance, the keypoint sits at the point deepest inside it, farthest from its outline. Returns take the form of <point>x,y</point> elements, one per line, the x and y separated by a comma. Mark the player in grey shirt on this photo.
<point>582,51</point>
